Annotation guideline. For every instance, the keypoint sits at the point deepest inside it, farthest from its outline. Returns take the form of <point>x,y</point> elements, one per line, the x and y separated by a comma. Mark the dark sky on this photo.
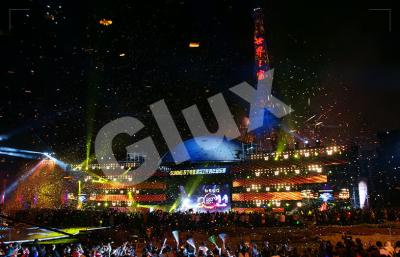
<point>62,76</point>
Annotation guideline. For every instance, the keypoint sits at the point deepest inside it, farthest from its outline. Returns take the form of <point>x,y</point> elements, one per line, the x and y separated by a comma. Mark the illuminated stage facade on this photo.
<point>227,179</point>
<point>288,180</point>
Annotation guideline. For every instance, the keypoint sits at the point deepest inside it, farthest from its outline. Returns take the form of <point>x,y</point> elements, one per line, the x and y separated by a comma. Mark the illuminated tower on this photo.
<point>262,137</point>
<point>260,46</point>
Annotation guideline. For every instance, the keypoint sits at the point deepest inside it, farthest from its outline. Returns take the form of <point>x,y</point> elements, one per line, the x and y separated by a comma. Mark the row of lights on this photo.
<point>276,171</point>
<point>344,194</point>
<point>107,166</point>
<point>109,178</point>
<point>115,204</point>
<point>314,167</point>
<point>296,154</point>
<point>273,203</point>
<point>277,187</point>
<point>286,171</point>
<point>113,191</point>
<point>309,194</point>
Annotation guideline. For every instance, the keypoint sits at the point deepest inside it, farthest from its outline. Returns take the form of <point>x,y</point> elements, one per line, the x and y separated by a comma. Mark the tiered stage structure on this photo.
<point>290,179</point>
<point>222,180</point>
<point>116,190</point>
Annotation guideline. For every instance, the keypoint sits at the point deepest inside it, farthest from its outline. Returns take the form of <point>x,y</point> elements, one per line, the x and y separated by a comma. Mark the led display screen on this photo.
<point>206,198</point>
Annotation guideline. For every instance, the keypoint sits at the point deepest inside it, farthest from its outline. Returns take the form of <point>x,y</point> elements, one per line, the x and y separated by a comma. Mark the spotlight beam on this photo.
<point>24,176</point>
<point>15,150</point>
<point>58,162</point>
<point>26,156</point>
<point>31,155</point>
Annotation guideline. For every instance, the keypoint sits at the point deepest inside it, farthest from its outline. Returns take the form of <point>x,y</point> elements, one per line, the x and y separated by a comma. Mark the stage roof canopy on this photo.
<point>207,148</point>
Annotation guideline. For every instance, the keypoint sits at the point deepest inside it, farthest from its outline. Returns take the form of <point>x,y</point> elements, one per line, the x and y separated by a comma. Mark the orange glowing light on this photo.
<point>105,22</point>
<point>194,44</point>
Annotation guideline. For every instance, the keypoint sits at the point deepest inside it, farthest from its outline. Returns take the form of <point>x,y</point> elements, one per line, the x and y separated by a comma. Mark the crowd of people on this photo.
<point>154,226</point>
<point>345,248</point>
<point>191,221</point>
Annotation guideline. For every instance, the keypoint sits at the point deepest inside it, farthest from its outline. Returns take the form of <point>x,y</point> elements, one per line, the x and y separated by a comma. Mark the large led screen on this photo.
<point>206,198</point>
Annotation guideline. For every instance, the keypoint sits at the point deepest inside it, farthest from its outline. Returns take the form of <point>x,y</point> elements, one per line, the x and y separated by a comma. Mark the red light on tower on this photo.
<point>260,74</point>
<point>258,40</point>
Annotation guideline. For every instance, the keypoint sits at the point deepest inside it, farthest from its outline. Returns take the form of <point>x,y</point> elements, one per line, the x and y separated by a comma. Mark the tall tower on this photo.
<point>264,138</point>
<point>260,45</point>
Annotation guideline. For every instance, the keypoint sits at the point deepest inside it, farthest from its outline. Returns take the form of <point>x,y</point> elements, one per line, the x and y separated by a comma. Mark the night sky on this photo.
<point>64,75</point>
